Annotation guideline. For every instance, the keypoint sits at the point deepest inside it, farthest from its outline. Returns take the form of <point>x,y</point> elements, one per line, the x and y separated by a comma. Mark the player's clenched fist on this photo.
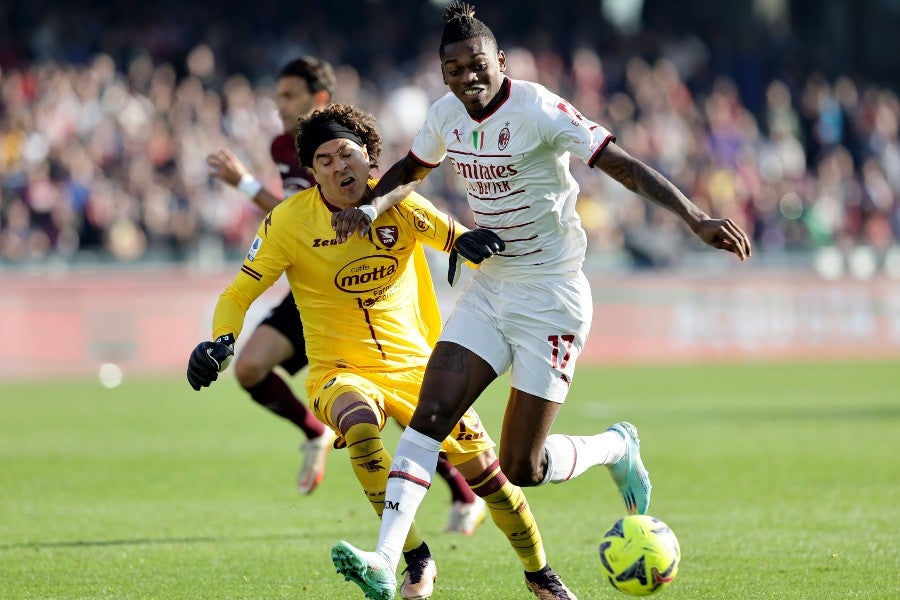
<point>208,360</point>
<point>474,246</point>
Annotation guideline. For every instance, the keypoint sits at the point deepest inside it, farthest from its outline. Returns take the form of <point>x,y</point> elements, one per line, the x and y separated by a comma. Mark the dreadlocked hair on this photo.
<point>354,119</point>
<point>461,24</point>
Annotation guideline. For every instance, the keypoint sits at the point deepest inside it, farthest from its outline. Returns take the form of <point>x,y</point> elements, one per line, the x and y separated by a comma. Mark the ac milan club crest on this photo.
<point>503,138</point>
<point>387,235</point>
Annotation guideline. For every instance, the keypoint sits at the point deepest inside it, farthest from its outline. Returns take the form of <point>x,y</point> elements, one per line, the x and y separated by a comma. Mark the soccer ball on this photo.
<point>639,555</point>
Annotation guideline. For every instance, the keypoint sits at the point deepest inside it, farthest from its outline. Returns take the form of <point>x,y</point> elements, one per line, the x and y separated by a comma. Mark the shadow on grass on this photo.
<point>147,541</point>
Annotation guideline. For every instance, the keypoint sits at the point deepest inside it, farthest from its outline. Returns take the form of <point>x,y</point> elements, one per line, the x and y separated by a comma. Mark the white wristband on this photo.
<point>369,211</point>
<point>249,185</point>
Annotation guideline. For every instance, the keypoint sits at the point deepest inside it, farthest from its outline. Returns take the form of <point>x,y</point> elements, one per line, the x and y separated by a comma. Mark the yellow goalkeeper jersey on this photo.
<point>367,304</point>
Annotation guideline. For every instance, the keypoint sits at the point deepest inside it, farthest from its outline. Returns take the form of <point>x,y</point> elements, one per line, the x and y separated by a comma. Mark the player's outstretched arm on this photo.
<point>228,168</point>
<point>649,184</point>
<point>397,183</point>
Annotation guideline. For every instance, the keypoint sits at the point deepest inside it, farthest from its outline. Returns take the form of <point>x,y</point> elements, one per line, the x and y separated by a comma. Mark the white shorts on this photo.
<point>535,329</point>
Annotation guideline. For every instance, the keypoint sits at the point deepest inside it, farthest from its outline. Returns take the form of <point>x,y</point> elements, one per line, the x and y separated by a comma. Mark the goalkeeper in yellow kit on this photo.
<point>370,320</point>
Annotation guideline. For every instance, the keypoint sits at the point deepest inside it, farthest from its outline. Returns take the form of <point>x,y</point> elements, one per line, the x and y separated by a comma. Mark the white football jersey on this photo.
<point>516,165</point>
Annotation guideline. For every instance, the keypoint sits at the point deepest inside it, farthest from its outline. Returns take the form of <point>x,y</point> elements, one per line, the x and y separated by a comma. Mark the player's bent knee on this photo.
<point>522,473</point>
<point>348,412</point>
<point>524,479</point>
<point>433,422</point>
<point>250,373</point>
<point>434,429</point>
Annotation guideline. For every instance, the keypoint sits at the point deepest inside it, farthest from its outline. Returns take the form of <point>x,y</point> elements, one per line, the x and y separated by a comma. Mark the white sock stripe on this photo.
<point>404,475</point>
<point>413,468</point>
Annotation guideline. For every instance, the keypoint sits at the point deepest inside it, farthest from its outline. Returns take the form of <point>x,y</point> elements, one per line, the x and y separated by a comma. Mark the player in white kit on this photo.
<point>527,309</point>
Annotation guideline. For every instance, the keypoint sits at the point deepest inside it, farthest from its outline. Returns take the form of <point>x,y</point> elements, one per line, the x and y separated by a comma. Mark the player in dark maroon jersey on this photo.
<point>304,85</point>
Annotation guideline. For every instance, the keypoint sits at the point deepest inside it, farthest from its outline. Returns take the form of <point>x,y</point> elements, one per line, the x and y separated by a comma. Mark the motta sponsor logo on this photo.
<point>367,274</point>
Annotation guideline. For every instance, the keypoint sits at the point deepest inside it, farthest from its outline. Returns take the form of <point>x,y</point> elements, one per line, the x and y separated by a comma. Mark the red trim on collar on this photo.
<point>505,88</point>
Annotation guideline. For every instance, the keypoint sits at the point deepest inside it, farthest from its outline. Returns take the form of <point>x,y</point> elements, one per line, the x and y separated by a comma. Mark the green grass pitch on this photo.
<point>781,481</point>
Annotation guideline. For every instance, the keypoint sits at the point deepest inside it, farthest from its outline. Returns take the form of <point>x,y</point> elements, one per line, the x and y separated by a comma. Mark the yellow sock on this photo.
<point>512,515</point>
<point>371,463</point>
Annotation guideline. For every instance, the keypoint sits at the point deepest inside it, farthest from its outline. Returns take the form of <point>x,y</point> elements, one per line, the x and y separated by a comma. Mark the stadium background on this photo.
<point>114,243</point>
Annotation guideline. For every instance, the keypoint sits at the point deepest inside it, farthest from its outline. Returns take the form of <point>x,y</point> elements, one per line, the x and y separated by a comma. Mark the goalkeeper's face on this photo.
<point>341,168</point>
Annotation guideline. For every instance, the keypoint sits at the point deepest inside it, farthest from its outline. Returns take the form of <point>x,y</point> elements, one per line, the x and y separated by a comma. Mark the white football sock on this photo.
<point>410,477</point>
<point>569,456</point>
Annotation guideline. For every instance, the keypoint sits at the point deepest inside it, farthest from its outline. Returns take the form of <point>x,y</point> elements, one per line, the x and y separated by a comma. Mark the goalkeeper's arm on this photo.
<point>208,360</point>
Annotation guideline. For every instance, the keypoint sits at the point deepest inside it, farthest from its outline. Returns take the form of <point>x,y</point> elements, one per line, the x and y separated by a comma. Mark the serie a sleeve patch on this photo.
<point>254,248</point>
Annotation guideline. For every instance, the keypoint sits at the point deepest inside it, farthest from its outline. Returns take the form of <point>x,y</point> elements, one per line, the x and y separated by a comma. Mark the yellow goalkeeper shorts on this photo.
<point>395,394</point>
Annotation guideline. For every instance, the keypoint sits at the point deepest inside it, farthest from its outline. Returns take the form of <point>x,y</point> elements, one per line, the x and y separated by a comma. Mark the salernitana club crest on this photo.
<point>387,235</point>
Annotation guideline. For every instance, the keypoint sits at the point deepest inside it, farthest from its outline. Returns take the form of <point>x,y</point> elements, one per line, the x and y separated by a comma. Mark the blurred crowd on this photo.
<point>104,159</point>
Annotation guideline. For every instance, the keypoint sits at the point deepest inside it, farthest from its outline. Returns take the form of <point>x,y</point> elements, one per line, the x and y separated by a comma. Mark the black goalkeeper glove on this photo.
<point>208,360</point>
<point>474,246</point>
